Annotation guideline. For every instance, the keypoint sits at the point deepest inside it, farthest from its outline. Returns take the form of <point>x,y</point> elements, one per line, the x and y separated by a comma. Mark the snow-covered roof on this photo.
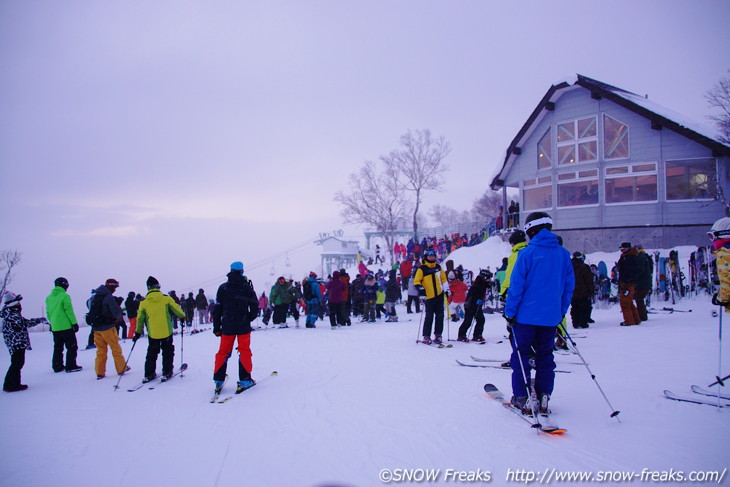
<point>701,133</point>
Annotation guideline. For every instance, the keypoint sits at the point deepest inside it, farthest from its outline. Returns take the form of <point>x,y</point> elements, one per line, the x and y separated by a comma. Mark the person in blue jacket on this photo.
<point>541,287</point>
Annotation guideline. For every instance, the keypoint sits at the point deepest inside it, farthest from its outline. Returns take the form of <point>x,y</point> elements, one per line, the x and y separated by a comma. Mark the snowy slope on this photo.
<point>348,403</point>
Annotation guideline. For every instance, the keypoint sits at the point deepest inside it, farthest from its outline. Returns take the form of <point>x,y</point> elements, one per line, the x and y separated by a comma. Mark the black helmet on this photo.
<point>579,255</point>
<point>517,236</point>
<point>61,281</point>
<point>536,221</point>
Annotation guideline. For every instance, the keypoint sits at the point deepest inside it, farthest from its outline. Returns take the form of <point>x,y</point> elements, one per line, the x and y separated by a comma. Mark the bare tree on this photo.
<point>8,260</point>
<point>374,199</point>
<point>445,216</point>
<point>486,206</point>
<point>418,166</point>
<point>719,97</point>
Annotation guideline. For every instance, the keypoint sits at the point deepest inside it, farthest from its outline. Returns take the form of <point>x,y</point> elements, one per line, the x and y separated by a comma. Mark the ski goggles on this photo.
<point>718,234</point>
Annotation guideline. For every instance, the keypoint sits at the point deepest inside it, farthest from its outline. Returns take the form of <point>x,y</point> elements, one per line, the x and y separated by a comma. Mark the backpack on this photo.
<point>308,292</point>
<point>95,316</point>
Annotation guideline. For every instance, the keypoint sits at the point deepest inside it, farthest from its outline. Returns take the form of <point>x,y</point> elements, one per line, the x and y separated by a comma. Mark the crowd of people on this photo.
<point>537,283</point>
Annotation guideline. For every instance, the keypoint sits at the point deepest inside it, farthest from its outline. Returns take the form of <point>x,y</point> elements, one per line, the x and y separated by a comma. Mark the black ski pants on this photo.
<point>337,314</point>
<point>61,339</point>
<point>153,350</point>
<point>413,299</point>
<point>474,312</point>
<point>434,308</point>
<point>12,378</point>
<point>580,311</point>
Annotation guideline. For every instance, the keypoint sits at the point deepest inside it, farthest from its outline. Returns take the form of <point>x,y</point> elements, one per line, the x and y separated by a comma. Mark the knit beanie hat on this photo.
<point>152,283</point>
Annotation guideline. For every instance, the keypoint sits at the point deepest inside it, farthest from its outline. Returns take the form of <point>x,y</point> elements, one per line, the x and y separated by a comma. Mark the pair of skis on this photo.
<point>435,345</point>
<point>700,398</point>
<point>550,429</point>
<point>486,366</point>
<point>217,399</point>
<point>152,383</point>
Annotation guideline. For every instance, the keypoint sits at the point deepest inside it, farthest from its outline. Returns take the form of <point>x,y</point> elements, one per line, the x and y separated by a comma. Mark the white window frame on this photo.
<point>576,142</point>
<point>577,178</point>
<point>549,135</point>
<point>628,138</point>
<point>630,173</point>
<point>666,186</point>
<point>538,184</point>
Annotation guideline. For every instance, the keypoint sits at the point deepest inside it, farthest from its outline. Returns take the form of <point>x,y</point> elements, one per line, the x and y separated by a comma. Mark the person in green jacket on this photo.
<point>60,313</point>
<point>280,297</point>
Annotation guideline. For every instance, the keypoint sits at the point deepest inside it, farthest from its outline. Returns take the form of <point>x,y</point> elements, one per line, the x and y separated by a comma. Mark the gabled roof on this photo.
<point>658,115</point>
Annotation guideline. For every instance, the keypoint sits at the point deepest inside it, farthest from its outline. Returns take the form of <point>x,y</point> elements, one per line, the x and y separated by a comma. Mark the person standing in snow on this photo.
<point>392,295</point>
<point>131,304</point>
<point>312,298</point>
<point>369,295</point>
<point>237,308</point>
<point>201,303</point>
<point>473,308</point>
<point>430,280</point>
<point>64,325</point>
<point>280,298</point>
<point>155,313</point>
<point>628,273</point>
<point>540,289</point>
<point>413,296</point>
<point>720,235</point>
<point>457,295</point>
<point>643,282</point>
<point>580,304</point>
<point>336,300</point>
<point>15,333</point>
<point>104,314</point>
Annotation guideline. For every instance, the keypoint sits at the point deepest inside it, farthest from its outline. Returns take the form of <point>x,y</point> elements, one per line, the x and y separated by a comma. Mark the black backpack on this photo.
<point>95,316</point>
<point>308,292</point>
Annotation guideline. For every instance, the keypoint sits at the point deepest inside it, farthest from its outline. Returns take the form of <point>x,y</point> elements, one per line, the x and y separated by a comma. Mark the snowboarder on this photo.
<point>60,313</point>
<point>237,308</point>
<point>155,314</point>
<point>540,289</point>
<point>15,333</point>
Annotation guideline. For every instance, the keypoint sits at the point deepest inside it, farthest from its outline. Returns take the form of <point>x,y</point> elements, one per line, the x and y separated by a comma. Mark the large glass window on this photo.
<point>577,141</point>
<point>691,179</point>
<point>537,194</point>
<point>578,189</point>
<point>544,151</point>
<point>615,139</point>
<point>631,183</point>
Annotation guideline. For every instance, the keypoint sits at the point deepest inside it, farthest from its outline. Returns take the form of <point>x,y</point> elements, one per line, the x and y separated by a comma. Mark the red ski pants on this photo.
<point>244,356</point>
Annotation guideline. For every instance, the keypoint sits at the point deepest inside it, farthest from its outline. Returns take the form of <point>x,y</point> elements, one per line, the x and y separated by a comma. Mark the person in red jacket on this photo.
<point>406,272</point>
<point>457,295</point>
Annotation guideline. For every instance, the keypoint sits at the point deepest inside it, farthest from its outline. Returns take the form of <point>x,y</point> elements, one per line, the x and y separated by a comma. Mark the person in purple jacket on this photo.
<point>336,300</point>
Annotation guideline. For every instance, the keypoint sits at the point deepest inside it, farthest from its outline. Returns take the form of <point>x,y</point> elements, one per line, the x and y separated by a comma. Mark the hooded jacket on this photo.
<point>110,311</point>
<point>336,289</point>
<point>154,313</point>
<point>59,310</point>
<point>542,282</point>
<point>237,306</point>
<point>511,259</point>
<point>431,277</point>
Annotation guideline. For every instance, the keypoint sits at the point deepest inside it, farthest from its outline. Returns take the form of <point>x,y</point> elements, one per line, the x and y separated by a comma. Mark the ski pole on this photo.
<point>528,383</point>
<point>614,412</point>
<point>182,361</point>
<point>420,322</point>
<point>116,386</point>
<point>719,356</point>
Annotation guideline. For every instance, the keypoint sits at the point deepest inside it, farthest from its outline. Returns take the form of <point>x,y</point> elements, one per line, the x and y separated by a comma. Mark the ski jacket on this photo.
<point>723,265</point>
<point>280,294</point>
<point>511,259</point>
<point>646,270</point>
<point>542,282</point>
<point>369,289</point>
<point>201,302</point>
<point>356,289</point>
<point>59,310</point>
<point>154,313</point>
<point>314,286</point>
<point>628,267</point>
<point>477,291</point>
<point>110,311</point>
<point>15,328</point>
<point>406,268</point>
<point>346,281</point>
<point>263,302</point>
<point>132,306</point>
<point>237,306</point>
<point>583,280</point>
<point>392,288</point>
<point>457,291</point>
<point>336,289</point>
<point>431,277</point>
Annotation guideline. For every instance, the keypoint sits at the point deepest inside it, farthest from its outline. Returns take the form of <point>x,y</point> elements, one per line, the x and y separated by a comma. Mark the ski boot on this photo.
<point>218,386</point>
<point>544,399</point>
<point>148,379</point>
<point>426,340</point>
<point>478,340</point>
<point>522,404</point>
<point>437,340</point>
<point>245,384</point>
<point>462,339</point>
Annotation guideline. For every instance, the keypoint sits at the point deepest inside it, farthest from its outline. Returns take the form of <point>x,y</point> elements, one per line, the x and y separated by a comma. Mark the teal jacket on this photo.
<point>59,310</point>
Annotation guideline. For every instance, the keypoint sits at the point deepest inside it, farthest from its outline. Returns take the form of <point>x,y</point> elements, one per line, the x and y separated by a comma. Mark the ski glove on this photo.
<point>479,302</point>
<point>421,290</point>
<point>75,327</point>
<point>717,302</point>
<point>136,337</point>
<point>510,320</point>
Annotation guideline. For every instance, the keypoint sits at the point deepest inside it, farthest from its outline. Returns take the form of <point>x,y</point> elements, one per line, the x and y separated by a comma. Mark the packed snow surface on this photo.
<point>348,403</point>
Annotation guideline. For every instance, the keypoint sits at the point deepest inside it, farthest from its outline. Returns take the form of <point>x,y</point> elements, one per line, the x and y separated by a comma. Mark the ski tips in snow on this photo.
<point>494,393</point>
<point>699,399</point>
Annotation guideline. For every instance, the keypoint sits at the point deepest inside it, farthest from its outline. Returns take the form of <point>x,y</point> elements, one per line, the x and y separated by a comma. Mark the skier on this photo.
<point>131,304</point>
<point>155,314</point>
<point>628,271</point>
<point>457,295</point>
<point>720,235</point>
<point>237,307</point>
<point>473,309</point>
<point>540,289</point>
<point>369,294</point>
<point>313,298</point>
<point>430,280</point>
<point>104,314</point>
<point>280,298</point>
<point>643,282</point>
<point>15,333</point>
<point>201,303</point>
<point>580,304</point>
<point>392,295</point>
<point>336,300</point>
<point>413,295</point>
<point>60,313</point>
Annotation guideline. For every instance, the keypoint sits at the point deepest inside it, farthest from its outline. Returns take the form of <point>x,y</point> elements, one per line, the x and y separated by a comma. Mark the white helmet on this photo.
<point>720,229</point>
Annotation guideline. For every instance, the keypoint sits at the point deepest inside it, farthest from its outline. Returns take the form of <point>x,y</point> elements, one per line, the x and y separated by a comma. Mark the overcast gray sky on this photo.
<point>172,137</point>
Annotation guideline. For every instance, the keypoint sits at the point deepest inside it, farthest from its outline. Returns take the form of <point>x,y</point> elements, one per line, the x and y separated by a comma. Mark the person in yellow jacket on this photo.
<point>431,282</point>
<point>720,235</point>
<point>518,240</point>
<point>154,313</point>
